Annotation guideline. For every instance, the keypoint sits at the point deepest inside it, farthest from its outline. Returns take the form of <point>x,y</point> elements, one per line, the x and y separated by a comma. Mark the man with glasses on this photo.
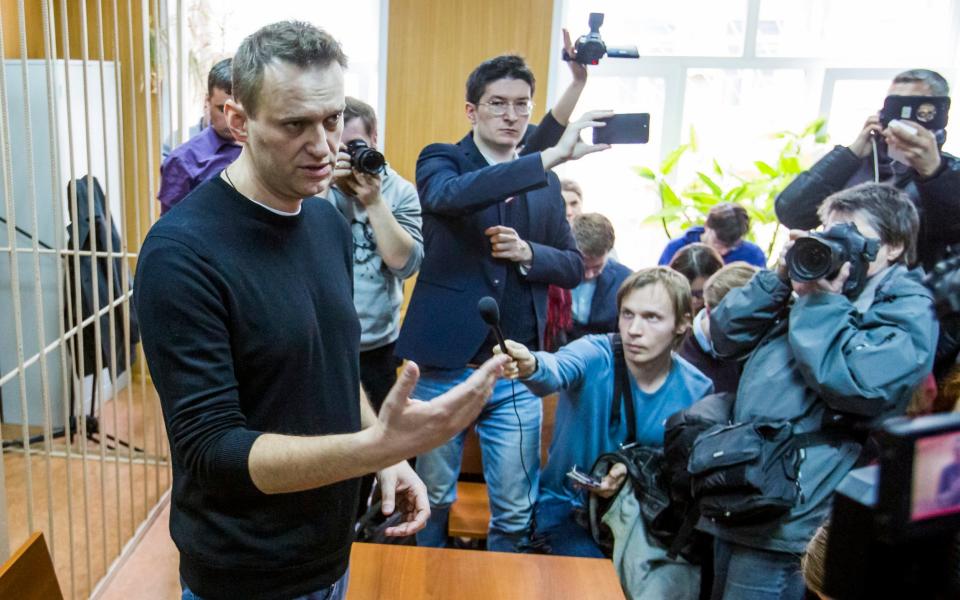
<point>494,225</point>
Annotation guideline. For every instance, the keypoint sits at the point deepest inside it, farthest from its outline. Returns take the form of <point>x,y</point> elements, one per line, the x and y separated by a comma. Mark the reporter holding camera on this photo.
<point>930,177</point>
<point>851,347</point>
<point>383,211</point>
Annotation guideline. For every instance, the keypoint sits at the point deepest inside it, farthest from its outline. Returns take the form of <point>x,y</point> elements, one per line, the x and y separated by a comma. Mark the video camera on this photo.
<point>591,47</point>
<point>894,523</point>
<point>364,158</point>
<point>822,254</point>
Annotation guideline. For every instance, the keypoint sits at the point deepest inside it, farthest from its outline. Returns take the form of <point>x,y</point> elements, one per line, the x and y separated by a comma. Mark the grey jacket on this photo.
<point>378,289</point>
<point>821,351</point>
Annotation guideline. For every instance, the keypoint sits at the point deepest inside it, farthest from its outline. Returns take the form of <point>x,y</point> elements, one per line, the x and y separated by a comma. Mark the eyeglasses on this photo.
<point>498,108</point>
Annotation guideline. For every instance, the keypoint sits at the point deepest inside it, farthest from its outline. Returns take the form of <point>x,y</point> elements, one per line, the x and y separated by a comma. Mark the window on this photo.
<point>736,72</point>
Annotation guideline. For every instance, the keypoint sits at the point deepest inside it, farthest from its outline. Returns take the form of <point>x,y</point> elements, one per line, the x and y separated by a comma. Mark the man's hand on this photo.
<point>782,271</point>
<point>505,243</point>
<point>523,365</point>
<point>400,488</point>
<point>862,146</point>
<point>408,427</point>
<point>612,481</point>
<point>918,145</point>
<point>830,286</point>
<point>362,186</point>
<point>570,146</point>
<point>578,71</point>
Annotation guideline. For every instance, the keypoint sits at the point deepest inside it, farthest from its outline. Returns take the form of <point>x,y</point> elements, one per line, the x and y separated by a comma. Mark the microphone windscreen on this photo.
<point>489,311</point>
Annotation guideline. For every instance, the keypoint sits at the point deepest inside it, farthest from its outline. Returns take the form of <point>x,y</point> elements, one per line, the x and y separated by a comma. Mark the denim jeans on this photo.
<point>742,573</point>
<point>566,537</point>
<point>337,591</point>
<point>511,484</point>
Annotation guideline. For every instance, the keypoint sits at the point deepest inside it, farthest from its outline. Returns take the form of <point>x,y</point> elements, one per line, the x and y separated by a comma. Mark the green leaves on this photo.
<point>686,203</point>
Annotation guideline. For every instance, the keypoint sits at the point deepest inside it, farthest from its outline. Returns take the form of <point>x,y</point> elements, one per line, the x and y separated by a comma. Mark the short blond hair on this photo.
<point>676,286</point>
<point>736,274</point>
<point>569,185</point>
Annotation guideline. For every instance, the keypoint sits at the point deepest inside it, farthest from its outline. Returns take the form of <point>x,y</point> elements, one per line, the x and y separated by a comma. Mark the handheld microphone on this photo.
<point>490,313</point>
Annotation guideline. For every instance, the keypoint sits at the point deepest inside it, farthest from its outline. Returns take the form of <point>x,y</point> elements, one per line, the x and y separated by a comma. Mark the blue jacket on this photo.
<point>747,252</point>
<point>822,352</point>
<point>461,196</point>
<point>583,372</point>
<point>603,307</point>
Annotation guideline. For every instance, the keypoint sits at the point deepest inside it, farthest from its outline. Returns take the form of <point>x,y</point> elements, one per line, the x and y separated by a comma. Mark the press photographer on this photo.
<point>850,348</point>
<point>930,177</point>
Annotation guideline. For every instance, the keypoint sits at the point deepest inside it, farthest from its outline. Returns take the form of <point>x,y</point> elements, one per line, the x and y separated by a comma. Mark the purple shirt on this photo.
<point>198,159</point>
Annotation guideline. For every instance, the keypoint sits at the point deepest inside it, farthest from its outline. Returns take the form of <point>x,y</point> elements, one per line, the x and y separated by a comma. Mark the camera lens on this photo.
<point>811,259</point>
<point>364,158</point>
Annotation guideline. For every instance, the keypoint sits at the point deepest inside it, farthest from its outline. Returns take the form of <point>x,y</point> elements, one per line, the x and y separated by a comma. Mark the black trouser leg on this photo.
<point>378,373</point>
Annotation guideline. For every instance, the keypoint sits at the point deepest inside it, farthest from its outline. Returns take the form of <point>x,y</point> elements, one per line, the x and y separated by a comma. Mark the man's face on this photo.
<point>574,205</point>
<point>593,266</point>
<point>887,254</point>
<point>648,325</point>
<point>502,132</point>
<point>354,129</point>
<point>294,139</point>
<point>218,120</point>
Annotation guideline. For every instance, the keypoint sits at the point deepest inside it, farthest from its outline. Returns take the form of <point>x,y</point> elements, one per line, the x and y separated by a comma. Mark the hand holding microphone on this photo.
<point>524,363</point>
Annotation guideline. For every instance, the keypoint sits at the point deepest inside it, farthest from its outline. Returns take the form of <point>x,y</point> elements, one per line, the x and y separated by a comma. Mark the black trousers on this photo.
<point>378,373</point>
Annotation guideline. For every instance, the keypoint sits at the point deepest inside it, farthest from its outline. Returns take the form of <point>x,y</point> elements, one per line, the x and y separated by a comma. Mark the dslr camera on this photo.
<point>591,47</point>
<point>364,158</point>
<point>821,255</point>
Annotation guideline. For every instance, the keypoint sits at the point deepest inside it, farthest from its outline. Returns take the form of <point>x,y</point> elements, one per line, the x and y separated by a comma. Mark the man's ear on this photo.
<point>471,110</point>
<point>237,119</point>
<point>894,252</point>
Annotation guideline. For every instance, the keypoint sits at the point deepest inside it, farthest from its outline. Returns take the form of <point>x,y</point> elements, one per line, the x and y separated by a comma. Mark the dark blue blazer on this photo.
<point>603,307</point>
<point>461,196</point>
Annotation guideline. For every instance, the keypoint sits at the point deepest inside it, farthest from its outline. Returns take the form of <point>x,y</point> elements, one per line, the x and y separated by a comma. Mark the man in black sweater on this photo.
<point>244,291</point>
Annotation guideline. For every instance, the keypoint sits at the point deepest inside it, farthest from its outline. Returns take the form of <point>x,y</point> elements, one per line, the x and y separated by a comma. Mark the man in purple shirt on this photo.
<point>207,153</point>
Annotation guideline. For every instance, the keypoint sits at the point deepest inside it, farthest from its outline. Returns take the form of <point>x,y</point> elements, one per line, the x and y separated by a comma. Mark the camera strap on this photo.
<point>622,391</point>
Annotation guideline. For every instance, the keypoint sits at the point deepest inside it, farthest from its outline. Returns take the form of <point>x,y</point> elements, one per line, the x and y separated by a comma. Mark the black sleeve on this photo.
<point>797,204</point>
<point>544,135</point>
<point>183,316</point>
<point>940,202</point>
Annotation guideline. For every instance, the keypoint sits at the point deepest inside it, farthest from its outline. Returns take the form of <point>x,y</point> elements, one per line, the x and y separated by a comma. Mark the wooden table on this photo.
<point>384,572</point>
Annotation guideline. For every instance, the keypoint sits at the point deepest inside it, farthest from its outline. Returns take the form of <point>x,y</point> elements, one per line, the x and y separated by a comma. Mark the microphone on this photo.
<point>490,313</point>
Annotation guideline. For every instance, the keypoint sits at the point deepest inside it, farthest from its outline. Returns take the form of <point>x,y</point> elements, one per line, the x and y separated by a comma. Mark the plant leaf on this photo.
<point>765,168</point>
<point>668,196</point>
<point>671,160</point>
<point>645,172</point>
<point>716,168</point>
<point>710,183</point>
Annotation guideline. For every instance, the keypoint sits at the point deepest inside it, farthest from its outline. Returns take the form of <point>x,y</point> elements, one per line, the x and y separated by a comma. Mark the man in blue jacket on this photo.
<point>813,359</point>
<point>494,225</point>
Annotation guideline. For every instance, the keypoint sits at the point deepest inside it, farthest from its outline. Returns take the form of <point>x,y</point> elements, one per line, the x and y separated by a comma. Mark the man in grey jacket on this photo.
<point>384,216</point>
<point>816,356</point>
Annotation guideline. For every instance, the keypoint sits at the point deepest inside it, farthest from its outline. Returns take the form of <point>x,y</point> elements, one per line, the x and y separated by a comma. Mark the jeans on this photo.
<point>337,591</point>
<point>511,483</point>
<point>561,532</point>
<point>742,573</point>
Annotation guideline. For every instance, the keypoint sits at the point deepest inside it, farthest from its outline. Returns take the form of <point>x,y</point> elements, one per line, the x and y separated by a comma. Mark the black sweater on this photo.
<point>249,326</point>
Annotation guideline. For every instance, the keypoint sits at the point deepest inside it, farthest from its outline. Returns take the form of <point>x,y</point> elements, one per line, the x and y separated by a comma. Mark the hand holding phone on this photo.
<point>628,128</point>
<point>582,479</point>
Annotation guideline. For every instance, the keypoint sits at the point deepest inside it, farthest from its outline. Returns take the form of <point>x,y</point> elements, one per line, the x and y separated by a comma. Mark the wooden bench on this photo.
<point>29,573</point>
<point>470,513</point>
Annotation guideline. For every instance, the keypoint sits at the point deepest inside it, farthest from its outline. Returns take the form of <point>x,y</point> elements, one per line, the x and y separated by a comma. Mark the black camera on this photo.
<point>591,47</point>
<point>944,282</point>
<point>893,525</point>
<point>821,255</point>
<point>364,158</point>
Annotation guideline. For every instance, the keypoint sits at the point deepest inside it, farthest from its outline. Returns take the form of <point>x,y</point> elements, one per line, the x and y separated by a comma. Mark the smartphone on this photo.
<point>928,111</point>
<point>583,479</point>
<point>628,128</point>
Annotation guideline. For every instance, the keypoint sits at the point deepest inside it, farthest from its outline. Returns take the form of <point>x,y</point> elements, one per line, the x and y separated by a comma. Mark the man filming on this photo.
<point>930,177</point>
